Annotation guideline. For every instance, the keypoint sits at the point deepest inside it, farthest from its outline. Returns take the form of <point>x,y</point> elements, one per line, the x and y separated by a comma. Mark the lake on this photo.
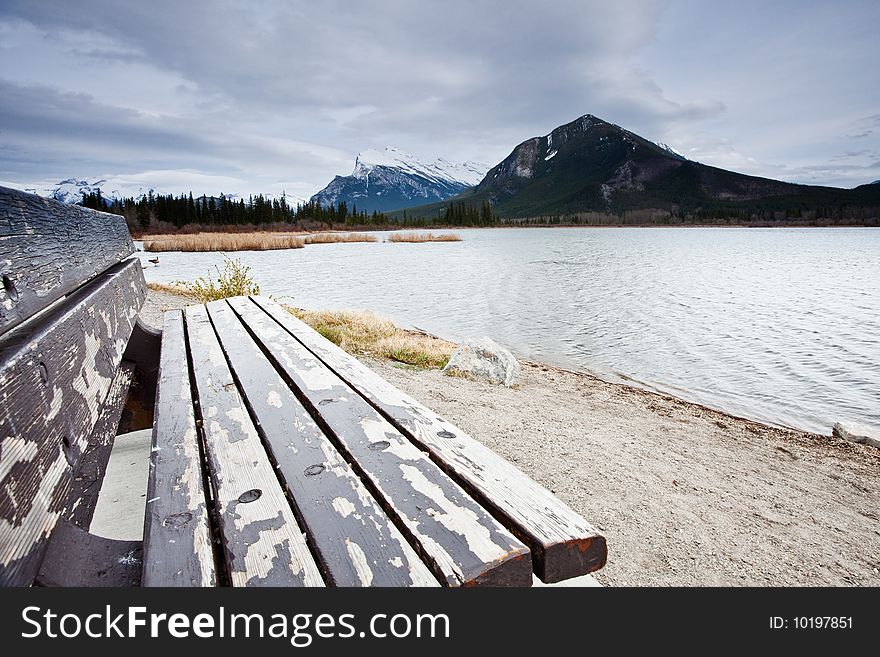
<point>778,325</point>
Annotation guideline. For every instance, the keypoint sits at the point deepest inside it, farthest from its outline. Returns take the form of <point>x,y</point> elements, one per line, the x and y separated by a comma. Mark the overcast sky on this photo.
<point>268,96</point>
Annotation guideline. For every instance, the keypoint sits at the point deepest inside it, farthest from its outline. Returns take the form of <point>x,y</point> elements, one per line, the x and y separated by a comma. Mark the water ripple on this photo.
<point>778,325</point>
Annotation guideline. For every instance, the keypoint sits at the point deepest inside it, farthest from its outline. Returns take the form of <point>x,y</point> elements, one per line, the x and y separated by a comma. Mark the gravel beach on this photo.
<point>686,496</point>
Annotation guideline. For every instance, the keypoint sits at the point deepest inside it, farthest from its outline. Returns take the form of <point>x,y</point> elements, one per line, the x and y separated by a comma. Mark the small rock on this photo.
<point>485,359</point>
<point>857,433</point>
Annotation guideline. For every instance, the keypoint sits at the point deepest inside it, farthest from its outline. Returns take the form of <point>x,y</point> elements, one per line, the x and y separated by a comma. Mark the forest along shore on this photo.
<point>686,496</point>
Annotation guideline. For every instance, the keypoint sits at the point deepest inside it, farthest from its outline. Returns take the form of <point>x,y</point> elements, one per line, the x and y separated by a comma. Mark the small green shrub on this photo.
<point>233,281</point>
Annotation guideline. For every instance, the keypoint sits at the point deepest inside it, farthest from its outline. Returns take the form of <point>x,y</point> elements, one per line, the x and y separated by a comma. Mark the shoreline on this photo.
<point>635,384</point>
<point>390,229</point>
<point>686,495</point>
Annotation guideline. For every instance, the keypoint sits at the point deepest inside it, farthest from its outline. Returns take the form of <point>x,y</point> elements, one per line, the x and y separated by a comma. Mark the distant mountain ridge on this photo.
<point>72,190</point>
<point>391,179</point>
<point>590,165</point>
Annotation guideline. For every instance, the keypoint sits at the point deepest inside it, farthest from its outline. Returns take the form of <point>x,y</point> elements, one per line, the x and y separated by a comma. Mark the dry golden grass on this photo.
<point>359,332</point>
<point>223,242</point>
<point>179,290</point>
<point>423,237</point>
<point>335,238</point>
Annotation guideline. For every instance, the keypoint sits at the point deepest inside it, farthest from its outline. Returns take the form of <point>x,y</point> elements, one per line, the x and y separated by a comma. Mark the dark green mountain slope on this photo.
<point>590,165</point>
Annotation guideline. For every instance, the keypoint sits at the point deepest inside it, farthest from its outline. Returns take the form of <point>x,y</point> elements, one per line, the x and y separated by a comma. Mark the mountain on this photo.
<point>592,165</point>
<point>72,190</point>
<point>390,179</point>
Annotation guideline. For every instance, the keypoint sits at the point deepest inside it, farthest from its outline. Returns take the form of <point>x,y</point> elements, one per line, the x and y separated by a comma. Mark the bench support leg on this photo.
<point>86,484</point>
<point>99,561</point>
<point>143,350</point>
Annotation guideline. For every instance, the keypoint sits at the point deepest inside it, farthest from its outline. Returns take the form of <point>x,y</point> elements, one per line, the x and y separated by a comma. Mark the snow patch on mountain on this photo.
<point>71,190</point>
<point>391,179</point>
<point>669,149</point>
<point>469,173</point>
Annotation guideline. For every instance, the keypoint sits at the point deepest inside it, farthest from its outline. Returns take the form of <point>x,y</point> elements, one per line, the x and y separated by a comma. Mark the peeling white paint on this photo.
<point>378,430</point>
<point>16,450</point>
<point>343,506</point>
<point>274,399</point>
<point>454,517</point>
<point>39,522</point>
<point>55,404</point>
<point>317,377</point>
<point>238,415</point>
<point>359,560</point>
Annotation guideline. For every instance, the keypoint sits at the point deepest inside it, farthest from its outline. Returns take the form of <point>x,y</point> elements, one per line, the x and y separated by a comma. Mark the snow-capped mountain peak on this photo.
<point>391,179</point>
<point>469,173</point>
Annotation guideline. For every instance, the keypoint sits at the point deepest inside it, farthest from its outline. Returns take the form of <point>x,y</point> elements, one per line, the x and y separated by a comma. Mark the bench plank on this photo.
<point>86,485</point>
<point>462,542</point>
<point>49,249</point>
<point>55,374</point>
<point>177,535</point>
<point>262,542</point>
<point>357,543</point>
<point>563,544</point>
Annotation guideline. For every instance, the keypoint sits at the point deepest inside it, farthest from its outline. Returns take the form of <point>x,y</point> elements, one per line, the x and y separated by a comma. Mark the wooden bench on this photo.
<point>278,459</point>
<point>71,353</point>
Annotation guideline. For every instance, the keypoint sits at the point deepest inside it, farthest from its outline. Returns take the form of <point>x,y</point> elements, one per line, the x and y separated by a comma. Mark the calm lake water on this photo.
<point>779,325</point>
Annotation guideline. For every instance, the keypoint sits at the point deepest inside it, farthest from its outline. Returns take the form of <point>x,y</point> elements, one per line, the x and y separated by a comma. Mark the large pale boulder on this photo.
<point>484,358</point>
<point>857,433</point>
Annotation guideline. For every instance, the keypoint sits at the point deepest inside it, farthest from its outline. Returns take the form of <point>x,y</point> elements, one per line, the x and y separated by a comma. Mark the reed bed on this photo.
<point>223,242</point>
<point>417,238</point>
<point>335,238</point>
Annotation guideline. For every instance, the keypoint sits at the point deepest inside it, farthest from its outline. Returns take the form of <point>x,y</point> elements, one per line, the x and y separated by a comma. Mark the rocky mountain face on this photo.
<point>590,164</point>
<point>390,179</point>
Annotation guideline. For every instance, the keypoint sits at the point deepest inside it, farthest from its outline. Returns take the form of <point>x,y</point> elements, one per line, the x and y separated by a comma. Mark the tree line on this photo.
<point>155,213</point>
<point>169,212</point>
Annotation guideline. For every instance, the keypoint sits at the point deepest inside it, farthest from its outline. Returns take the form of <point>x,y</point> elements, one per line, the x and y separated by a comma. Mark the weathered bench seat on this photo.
<point>277,458</point>
<point>318,471</point>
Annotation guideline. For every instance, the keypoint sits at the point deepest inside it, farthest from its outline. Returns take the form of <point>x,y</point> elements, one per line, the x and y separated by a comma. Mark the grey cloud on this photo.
<point>281,91</point>
<point>866,127</point>
<point>40,112</point>
<point>41,124</point>
<point>431,66</point>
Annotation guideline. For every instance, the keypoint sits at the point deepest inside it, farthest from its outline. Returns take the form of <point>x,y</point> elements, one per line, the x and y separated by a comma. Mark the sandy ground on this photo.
<point>119,513</point>
<point>156,305</point>
<point>686,496</point>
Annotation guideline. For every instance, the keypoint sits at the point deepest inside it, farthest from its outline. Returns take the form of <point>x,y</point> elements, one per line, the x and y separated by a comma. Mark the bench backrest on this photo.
<point>69,300</point>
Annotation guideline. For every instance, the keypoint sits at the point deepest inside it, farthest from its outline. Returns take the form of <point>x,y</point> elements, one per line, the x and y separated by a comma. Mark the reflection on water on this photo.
<point>781,325</point>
